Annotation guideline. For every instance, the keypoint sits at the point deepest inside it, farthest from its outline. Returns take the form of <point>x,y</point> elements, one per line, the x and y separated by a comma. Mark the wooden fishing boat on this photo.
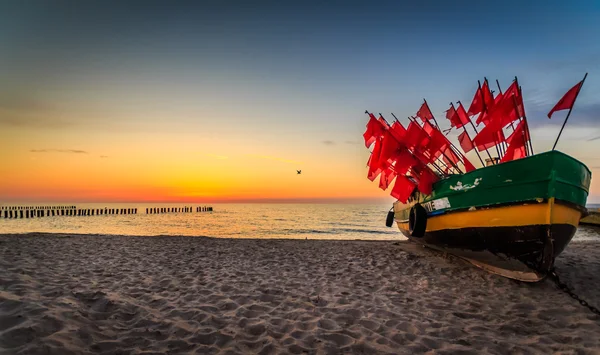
<point>512,218</point>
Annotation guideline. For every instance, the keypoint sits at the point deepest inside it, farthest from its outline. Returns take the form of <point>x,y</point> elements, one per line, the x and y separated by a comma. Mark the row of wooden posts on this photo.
<point>158,210</point>
<point>8,212</point>
<point>19,208</point>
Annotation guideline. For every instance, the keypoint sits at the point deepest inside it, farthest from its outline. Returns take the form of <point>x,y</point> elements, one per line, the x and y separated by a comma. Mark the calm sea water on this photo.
<point>315,221</point>
<point>299,221</point>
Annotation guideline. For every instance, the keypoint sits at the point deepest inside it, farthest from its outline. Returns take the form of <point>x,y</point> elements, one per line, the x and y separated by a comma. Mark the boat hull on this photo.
<point>513,241</point>
<point>512,219</point>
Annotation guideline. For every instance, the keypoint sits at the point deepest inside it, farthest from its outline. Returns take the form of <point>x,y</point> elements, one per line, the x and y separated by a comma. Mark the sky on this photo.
<point>222,101</point>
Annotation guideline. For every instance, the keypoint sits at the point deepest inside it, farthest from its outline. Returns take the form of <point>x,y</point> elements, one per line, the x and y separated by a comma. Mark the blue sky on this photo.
<point>295,75</point>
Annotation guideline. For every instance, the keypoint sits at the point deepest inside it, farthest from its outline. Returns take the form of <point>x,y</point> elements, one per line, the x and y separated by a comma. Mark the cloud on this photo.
<point>72,151</point>
<point>571,132</point>
<point>578,63</point>
<point>273,158</point>
<point>329,142</point>
<point>21,120</point>
<point>593,139</point>
<point>351,142</point>
<point>583,114</point>
<point>23,101</point>
<point>104,156</point>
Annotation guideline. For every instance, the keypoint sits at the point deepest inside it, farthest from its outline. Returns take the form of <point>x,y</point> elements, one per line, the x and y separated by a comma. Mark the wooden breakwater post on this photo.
<point>204,209</point>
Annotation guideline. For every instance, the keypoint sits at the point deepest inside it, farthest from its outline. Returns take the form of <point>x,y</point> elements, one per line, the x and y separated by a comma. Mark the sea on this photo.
<point>253,220</point>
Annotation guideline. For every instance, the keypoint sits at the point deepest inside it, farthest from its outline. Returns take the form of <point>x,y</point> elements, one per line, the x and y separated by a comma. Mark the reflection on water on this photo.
<point>314,221</point>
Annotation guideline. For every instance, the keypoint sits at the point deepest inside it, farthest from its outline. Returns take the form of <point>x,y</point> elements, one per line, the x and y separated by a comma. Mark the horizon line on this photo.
<point>225,201</point>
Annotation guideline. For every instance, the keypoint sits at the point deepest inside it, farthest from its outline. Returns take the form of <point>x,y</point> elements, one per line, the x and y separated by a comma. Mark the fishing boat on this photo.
<point>512,219</point>
<point>512,216</point>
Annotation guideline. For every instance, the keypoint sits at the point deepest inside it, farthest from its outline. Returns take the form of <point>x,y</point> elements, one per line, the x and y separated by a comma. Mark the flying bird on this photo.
<point>299,172</point>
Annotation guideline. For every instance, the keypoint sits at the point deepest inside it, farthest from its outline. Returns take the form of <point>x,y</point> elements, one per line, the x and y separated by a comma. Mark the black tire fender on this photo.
<point>417,221</point>
<point>389,221</point>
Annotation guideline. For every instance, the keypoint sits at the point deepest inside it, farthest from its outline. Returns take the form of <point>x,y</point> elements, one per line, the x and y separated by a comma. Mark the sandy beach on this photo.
<point>79,294</point>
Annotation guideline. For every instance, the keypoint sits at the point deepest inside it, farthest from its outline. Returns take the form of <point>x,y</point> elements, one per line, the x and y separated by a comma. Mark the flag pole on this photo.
<point>525,116</point>
<point>571,109</point>
<point>476,133</point>
<point>526,123</point>
<point>485,110</point>
<point>469,137</point>
<point>520,119</point>
<point>500,90</point>
<point>501,144</point>
<point>429,108</point>
<point>511,124</point>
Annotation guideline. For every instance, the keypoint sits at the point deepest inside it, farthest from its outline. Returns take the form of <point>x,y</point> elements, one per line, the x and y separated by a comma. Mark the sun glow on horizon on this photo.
<point>219,102</point>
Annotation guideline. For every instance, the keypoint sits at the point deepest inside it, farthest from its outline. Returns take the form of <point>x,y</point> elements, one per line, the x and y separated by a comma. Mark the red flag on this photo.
<point>398,131</point>
<point>498,98</point>
<point>488,98</point>
<point>507,109</point>
<point>567,101</point>
<point>468,165</point>
<point>426,180</point>
<point>450,154</point>
<point>503,113</point>
<point>513,89</point>
<point>498,137</point>
<point>424,112</point>
<point>458,118</point>
<point>477,104</point>
<point>437,142</point>
<point>386,178</point>
<point>482,102</point>
<point>450,113</point>
<point>516,144</point>
<point>489,136</point>
<point>465,142</point>
<point>462,115</point>
<point>482,118</point>
<point>404,161</point>
<point>375,128</point>
<point>373,163</point>
<point>403,188</point>
<point>514,153</point>
<point>415,136</point>
<point>389,146</point>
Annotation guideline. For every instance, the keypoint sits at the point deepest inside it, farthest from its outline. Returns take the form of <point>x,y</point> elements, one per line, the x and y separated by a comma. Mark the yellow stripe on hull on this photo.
<point>506,216</point>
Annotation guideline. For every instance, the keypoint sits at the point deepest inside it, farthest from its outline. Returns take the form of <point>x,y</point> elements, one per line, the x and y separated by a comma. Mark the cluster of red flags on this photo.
<point>408,154</point>
<point>419,155</point>
<point>498,113</point>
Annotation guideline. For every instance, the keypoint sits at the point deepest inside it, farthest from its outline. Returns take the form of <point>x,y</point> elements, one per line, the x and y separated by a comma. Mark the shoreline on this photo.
<point>79,293</point>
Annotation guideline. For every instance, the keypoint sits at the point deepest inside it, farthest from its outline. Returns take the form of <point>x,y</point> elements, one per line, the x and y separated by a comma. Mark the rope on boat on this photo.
<point>566,288</point>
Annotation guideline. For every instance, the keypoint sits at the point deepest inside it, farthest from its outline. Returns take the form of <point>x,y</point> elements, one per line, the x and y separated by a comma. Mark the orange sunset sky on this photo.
<point>211,103</point>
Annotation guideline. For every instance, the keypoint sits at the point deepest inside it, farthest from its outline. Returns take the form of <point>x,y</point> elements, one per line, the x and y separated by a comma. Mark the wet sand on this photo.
<point>80,294</point>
